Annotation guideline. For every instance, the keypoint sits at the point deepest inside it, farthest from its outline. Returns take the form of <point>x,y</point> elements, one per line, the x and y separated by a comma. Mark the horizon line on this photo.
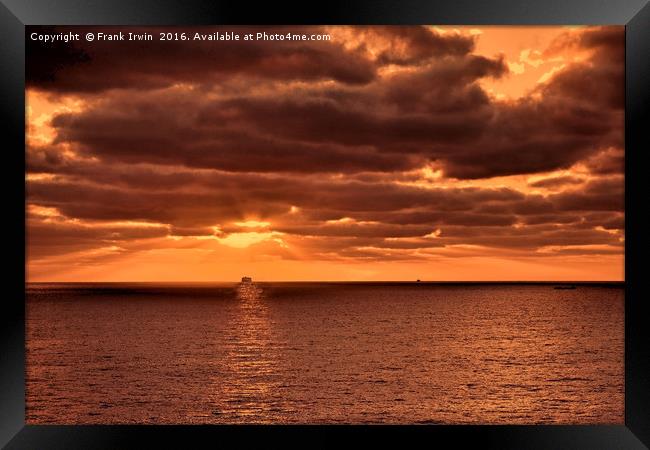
<point>340,281</point>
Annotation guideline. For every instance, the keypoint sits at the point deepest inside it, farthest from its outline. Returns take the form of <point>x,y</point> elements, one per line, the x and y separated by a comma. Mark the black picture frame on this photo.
<point>16,14</point>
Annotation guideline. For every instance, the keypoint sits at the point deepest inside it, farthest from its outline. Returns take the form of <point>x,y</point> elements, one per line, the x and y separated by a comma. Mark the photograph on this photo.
<point>325,224</point>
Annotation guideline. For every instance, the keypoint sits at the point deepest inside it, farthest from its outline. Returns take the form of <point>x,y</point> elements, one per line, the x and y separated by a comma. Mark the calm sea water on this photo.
<point>324,353</point>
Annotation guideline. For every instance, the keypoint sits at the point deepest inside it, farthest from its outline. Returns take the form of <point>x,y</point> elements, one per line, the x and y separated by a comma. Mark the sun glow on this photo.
<point>253,224</point>
<point>244,240</point>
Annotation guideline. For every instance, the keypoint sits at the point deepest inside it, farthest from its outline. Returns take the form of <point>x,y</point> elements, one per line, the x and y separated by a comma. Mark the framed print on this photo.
<point>402,219</point>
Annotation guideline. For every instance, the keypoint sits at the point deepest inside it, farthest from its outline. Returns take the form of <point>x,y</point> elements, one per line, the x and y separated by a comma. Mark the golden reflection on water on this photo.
<point>250,294</point>
<point>318,353</point>
<point>252,358</point>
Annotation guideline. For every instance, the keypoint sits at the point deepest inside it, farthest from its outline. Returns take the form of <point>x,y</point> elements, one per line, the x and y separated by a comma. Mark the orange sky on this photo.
<point>387,153</point>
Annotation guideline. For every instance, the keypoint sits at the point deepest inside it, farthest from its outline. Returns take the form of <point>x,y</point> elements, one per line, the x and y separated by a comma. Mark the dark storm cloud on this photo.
<point>96,66</point>
<point>409,45</point>
<point>553,218</point>
<point>336,209</point>
<point>436,114</point>
<point>44,62</point>
<point>602,195</point>
<point>537,136</point>
<point>85,67</point>
<point>611,161</point>
<point>214,139</point>
<point>218,197</point>
<point>330,162</point>
<point>54,237</point>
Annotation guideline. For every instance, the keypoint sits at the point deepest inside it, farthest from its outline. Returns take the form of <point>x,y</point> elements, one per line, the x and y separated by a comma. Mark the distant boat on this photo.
<point>246,280</point>
<point>564,287</point>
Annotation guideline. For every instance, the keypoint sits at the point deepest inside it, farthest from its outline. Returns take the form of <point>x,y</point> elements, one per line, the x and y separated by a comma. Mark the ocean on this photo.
<point>276,353</point>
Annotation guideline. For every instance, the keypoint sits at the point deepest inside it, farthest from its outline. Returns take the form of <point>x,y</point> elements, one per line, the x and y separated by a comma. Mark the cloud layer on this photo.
<point>382,144</point>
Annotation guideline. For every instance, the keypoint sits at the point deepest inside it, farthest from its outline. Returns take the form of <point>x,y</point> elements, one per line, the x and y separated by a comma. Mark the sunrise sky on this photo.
<point>386,153</point>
